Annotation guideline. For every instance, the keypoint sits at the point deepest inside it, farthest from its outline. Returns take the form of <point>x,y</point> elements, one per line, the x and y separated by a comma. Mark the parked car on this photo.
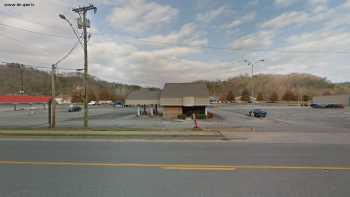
<point>335,106</point>
<point>118,104</point>
<point>259,113</point>
<point>317,106</point>
<point>74,108</point>
<point>92,103</point>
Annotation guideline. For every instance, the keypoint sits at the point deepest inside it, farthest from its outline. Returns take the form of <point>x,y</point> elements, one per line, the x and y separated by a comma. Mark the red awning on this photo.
<point>24,99</point>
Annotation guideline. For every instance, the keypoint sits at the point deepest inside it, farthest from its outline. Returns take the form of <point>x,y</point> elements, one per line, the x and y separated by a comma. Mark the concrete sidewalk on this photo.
<point>290,137</point>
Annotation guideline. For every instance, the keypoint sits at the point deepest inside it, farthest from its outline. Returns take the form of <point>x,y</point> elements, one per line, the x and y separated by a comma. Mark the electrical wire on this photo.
<point>167,44</point>
<point>37,32</point>
<point>69,52</point>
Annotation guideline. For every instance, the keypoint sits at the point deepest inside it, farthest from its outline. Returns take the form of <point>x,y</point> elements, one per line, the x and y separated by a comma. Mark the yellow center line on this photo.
<point>197,168</point>
<point>176,166</point>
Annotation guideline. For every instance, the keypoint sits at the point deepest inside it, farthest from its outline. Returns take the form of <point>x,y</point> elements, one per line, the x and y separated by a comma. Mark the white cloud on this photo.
<point>315,5</point>
<point>211,14</point>
<point>285,3</point>
<point>188,34</point>
<point>139,15</point>
<point>244,19</point>
<point>322,53</point>
<point>261,39</point>
<point>286,19</point>
<point>347,3</point>
<point>318,5</point>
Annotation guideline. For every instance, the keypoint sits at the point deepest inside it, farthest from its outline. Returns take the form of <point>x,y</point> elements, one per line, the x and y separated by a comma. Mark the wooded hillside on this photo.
<point>285,87</point>
<point>267,86</point>
<point>38,82</point>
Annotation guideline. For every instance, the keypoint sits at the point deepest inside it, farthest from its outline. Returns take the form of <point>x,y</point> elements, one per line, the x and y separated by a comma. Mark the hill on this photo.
<point>38,82</point>
<point>297,84</point>
<point>291,86</point>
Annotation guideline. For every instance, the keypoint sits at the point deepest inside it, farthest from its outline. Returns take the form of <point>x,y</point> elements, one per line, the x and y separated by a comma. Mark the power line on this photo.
<point>69,52</point>
<point>41,67</point>
<point>37,32</point>
<point>168,44</point>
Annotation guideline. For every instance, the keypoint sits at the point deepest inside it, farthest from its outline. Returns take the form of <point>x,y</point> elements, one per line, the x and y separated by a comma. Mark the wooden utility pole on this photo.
<point>21,70</point>
<point>53,92</point>
<point>84,23</point>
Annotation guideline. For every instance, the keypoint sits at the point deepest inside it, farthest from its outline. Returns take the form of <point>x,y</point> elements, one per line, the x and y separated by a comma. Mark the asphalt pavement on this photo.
<point>35,168</point>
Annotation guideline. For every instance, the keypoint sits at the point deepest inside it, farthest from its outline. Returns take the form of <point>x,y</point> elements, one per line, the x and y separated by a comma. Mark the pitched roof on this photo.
<point>174,90</point>
<point>144,94</point>
<point>24,99</point>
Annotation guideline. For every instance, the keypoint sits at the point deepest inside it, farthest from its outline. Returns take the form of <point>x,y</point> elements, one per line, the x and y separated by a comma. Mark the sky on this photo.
<point>151,42</point>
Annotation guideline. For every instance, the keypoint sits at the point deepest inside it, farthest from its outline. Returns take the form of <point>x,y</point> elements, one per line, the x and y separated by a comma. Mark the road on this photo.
<point>35,168</point>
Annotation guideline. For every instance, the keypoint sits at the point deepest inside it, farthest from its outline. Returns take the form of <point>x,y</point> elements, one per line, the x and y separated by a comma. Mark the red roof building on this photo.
<point>24,99</point>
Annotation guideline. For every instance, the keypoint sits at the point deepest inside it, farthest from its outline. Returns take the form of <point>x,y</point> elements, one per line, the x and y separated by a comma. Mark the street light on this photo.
<point>83,23</point>
<point>62,16</point>
<point>71,25</point>
<point>249,63</point>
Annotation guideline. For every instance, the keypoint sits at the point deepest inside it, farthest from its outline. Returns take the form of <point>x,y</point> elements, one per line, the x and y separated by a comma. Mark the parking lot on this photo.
<point>279,118</point>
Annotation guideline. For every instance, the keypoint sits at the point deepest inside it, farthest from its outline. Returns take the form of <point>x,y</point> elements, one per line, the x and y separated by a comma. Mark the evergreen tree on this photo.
<point>230,96</point>
<point>245,96</point>
<point>274,97</point>
<point>260,97</point>
<point>289,96</point>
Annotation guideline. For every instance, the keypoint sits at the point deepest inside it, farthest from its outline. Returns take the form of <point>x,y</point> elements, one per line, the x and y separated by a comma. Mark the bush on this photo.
<point>210,115</point>
<point>201,116</point>
<point>181,116</point>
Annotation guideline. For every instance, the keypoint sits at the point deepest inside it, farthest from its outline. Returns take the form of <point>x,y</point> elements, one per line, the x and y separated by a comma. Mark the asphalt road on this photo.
<point>100,168</point>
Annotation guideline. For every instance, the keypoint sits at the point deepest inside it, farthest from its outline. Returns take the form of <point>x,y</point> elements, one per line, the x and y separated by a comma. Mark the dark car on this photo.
<point>317,106</point>
<point>259,113</point>
<point>335,106</point>
<point>74,108</point>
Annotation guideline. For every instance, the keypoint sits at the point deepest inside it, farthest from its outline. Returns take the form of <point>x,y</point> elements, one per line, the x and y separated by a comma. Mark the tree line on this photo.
<point>274,88</point>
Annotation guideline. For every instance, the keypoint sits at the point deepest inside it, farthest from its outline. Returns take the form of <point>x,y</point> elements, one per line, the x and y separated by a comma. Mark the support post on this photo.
<point>85,24</point>
<point>49,114</point>
<point>53,92</point>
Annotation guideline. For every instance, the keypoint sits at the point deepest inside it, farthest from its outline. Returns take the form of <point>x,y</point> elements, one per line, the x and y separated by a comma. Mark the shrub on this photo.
<point>260,97</point>
<point>245,96</point>
<point>210,115</point>
<point>274,97</point>
<point>201,116</point>
<point>181,116</point>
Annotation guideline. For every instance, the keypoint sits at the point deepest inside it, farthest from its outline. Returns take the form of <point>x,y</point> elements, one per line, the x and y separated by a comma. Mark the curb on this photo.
<point>114,135</point>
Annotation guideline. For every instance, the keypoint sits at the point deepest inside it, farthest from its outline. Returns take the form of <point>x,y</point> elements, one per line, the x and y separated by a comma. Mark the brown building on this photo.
<point>184,98</point>
<point>147,101</point>
<point>175,99</point>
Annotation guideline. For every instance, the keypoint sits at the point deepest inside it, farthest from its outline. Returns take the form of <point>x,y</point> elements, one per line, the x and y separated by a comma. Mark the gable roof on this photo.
<point>144,94</point>
<point>176,90</point>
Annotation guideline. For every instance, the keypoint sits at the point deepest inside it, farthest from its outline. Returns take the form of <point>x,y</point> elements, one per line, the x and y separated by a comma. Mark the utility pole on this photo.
<point>85,23</point>
<point>20,67</point>
<point>253,84</point>
<point>53,92</point>
<point>252,80</point>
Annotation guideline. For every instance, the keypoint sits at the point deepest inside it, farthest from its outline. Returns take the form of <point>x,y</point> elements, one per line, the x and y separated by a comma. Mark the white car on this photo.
<point>92,103</point>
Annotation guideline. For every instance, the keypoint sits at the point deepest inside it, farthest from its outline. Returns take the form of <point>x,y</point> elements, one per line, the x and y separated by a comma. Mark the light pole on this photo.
<point>249,63</point>
<point>53,92</point>
<point>83,23</point>
<point>71,25</point>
